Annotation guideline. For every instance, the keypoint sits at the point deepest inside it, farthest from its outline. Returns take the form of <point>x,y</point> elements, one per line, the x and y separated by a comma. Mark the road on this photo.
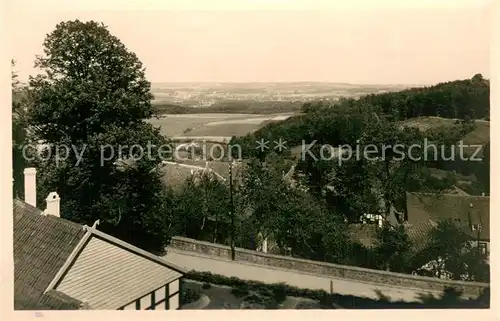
<point>265,274</point>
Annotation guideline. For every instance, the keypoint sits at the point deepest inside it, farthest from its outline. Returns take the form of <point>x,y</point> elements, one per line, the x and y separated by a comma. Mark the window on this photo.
<point>372,219</point>
<point>482,247</point>
<point>476,227</point>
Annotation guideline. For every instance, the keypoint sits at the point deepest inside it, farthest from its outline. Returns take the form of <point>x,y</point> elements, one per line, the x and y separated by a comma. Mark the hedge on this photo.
<point>449,299</point>
<point>279,290</point>
<point>187,295</point>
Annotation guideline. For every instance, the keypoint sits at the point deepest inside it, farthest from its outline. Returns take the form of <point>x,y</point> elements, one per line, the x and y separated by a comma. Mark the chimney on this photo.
<point>30,186</point>
<point>53,204</point>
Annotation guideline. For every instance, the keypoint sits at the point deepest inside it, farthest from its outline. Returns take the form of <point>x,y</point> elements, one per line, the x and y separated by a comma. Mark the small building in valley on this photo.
<point>471,213</point>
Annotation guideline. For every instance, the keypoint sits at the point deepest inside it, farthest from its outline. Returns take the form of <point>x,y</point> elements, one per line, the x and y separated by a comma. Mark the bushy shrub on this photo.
<point>279,291</point>
<point>239,292</point>
<point>188,295</point>
<point>259,295</point>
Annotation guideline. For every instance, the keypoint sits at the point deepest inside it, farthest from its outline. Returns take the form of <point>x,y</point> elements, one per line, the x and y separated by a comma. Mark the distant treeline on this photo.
<point>234,107</point>
<point>468,98</point>
<point>346,121</point>
<point>342,122</point>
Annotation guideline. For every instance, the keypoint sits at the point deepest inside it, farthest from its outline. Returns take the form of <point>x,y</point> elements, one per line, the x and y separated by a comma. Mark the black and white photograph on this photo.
<point>267,159</point>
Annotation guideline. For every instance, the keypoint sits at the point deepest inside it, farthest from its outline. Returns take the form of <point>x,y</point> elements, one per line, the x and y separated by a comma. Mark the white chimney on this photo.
<point>30,186</point>
<point>53,206</point>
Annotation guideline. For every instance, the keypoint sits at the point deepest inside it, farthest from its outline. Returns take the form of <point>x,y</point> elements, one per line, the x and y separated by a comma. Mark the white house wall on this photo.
<point>164,298</point>
<point>174,302</point>
<point>173,287</point>
<point>160,294</point>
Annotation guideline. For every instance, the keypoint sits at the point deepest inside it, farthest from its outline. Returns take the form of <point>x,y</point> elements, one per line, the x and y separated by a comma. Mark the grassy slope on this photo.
<point>479,136</point>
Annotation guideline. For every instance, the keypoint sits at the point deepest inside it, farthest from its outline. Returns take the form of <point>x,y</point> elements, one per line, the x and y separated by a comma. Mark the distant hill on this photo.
<point>327,122</point>
<point>440,110</point>
<point>210,94</point>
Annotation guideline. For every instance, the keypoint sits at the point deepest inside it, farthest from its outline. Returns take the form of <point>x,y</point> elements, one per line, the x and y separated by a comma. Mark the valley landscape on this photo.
<point>219,111</point>
<point>209,94</point>
<point>338,195</point>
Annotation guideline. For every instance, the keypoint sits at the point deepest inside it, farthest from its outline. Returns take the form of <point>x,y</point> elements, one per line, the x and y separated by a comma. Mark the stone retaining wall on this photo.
<point>471,289</point>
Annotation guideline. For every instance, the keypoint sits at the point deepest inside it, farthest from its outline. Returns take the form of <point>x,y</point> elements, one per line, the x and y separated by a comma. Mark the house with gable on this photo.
<point>470,212</point>
<point>62,265</point>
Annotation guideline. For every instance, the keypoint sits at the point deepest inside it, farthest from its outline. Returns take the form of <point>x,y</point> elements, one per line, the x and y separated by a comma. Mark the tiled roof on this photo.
<point>41,246</point>
<point>55,300</point>
<point>365,234</point>
<point>48,256</point>
<point>466,209</point>
<point>418,233</point>
<point>52,300</point>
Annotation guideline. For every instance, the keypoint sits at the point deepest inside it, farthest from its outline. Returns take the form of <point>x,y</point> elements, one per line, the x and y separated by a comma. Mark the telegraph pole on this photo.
<point>233,254</point>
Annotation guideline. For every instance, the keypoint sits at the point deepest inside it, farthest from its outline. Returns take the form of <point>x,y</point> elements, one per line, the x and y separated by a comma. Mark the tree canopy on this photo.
<point>451,251</point>
<point>92,96</point>
<point>19,127</point>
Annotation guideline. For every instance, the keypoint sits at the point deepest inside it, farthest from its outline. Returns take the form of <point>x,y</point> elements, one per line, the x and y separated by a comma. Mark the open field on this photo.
<point>428,122</point>
<point>479,136</point>
<point>213,126</point>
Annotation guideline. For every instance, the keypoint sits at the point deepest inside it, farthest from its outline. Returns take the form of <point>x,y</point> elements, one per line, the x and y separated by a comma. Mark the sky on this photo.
<point>363,43</point>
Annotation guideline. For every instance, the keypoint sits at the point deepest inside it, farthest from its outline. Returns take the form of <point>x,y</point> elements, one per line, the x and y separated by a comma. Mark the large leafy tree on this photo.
<point>293,218</point>
<point>393,249</point>
<point>93,97</point>
<point>389,162</point>
<point>399,163</point>
<point>90,81</point>
<point>201,208</point>
<point>450,251</point>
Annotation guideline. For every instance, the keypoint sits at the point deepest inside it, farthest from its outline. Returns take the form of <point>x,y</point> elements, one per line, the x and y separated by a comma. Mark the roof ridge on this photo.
<point>449,194</point>
<point>24,203</point>
<point>133,248</point>
<point>63,221</point>
<point>50,216</point>
<point>91,231</point>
